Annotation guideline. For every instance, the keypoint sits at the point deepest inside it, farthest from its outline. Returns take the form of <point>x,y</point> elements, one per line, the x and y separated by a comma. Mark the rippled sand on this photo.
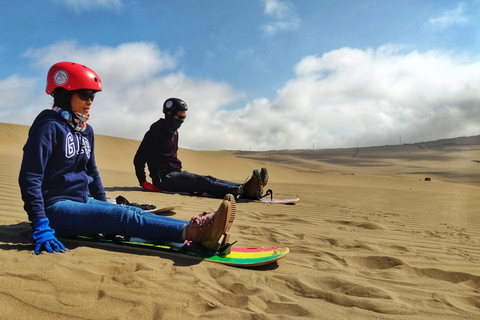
<point>369,239</point>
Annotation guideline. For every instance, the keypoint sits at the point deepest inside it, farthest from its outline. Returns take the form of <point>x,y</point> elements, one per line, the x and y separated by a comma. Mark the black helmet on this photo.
<point>174,104</point>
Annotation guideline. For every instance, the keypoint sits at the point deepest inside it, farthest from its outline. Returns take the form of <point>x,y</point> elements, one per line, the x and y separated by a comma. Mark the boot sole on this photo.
<point>229,217</point>
<point>258,188</point>
<point>263,177</point>
<point>231,212</point>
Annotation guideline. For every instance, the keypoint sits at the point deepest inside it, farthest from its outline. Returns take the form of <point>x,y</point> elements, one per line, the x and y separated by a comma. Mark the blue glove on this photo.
<point>45,236</point>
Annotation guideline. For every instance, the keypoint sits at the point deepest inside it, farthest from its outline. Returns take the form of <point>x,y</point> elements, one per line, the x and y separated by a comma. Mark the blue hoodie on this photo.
<point>58,164</point>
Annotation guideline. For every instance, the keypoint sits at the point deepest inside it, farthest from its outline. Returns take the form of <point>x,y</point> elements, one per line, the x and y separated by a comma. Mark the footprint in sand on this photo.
<point>347,293</point>
<point>360,224</point>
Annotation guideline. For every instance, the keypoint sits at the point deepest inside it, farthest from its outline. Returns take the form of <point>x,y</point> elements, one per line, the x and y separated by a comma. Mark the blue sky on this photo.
<point>256,74</point>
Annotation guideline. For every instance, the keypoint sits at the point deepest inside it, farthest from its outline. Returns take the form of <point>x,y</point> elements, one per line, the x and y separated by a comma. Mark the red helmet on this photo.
<point>72,76</point>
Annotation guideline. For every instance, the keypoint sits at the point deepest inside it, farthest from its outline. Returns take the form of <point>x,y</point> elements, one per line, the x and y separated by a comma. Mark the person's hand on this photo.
<point>150,187</point>
<point>44,236</point>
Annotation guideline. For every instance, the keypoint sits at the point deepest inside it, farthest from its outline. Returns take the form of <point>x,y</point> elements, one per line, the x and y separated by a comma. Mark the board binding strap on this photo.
<point>268,198</point>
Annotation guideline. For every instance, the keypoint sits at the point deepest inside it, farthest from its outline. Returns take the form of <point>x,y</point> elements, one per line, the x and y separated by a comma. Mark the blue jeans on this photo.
<point>69,218</point>
<point>184,181</point>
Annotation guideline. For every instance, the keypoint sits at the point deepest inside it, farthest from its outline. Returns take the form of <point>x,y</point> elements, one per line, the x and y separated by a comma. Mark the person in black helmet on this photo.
<point>159,151</point>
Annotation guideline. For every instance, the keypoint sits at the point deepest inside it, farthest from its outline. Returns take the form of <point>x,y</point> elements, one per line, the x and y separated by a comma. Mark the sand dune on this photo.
<point>369,239</point>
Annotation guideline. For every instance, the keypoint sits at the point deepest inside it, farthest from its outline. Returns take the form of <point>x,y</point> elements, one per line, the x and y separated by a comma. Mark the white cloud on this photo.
<point>370,97</point>
<point>450,18</point>
<point>350,97</point>
<point>135,60</point>
<point>18,104</point>
<point>137,78</point>
<point>283,14</point>
<point>279,10</point>
<point>79,5</point>
<point>14,91</point>
<point>343,98</point>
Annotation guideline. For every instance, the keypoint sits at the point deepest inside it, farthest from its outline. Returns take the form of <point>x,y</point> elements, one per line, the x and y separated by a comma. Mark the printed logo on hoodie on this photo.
<point>72,146</point>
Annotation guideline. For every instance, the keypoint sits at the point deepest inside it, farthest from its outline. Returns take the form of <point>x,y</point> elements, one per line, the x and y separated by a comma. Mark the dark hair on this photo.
<point>61,98</point>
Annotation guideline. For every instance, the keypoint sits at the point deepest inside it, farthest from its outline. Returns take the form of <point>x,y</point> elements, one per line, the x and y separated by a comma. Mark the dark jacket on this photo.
<point>58,164</point>
<point>159,151</point>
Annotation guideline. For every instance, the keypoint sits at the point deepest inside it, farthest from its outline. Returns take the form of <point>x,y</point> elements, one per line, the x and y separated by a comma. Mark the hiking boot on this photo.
<point>263,177</point>
<point>212,229</point>
<point>252,189</point>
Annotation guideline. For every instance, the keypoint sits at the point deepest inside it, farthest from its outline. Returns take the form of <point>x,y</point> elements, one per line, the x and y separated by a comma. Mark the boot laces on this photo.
<point>199,223</point>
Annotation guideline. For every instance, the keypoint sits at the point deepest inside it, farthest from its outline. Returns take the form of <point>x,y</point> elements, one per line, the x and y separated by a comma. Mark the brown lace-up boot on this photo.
<point>212,229</point>
<point>252,189</point>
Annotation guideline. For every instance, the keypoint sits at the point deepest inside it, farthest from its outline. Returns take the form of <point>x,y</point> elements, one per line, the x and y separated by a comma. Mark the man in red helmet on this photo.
<point>159,151</point>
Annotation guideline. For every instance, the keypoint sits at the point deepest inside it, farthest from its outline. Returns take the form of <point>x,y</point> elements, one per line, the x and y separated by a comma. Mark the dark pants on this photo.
<point>184,181</point>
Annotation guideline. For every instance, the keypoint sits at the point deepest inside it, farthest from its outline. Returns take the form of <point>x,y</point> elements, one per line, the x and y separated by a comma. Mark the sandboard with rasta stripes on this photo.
<point>232,256</point>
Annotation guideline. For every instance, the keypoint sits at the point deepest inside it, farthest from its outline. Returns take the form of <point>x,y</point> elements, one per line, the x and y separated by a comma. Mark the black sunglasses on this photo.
<point>85,95</point>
